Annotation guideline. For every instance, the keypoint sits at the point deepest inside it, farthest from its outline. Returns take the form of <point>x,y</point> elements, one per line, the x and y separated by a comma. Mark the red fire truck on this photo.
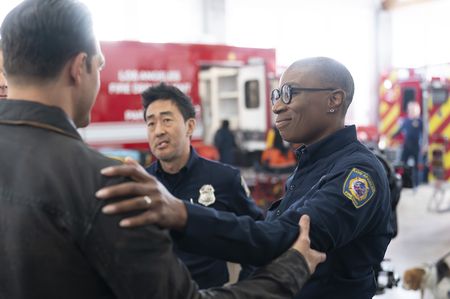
<point>397,89</point>
<point>224,82</point>
<point>438,120</point>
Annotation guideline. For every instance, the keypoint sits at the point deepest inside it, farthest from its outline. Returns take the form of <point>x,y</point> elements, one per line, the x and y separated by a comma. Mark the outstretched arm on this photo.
<point>169,212</point>
<point>282,278</point>
<point>140,263</point>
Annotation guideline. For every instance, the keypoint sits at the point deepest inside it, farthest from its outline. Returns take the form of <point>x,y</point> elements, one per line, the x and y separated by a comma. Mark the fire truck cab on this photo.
<point>397,89</point>
<point>224,82</point>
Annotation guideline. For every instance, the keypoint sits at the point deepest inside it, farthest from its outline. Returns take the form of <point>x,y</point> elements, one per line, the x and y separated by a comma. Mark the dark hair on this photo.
<point>167,92</point>
<point>40,36</point>
<point>225,123</point>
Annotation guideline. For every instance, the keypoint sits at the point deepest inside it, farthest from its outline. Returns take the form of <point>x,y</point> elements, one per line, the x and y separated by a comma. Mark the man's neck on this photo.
<point>47,94</point>
<point>175,165</point>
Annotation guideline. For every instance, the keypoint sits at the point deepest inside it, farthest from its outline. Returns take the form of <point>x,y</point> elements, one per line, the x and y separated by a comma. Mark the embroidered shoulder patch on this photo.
<point>358,187</point>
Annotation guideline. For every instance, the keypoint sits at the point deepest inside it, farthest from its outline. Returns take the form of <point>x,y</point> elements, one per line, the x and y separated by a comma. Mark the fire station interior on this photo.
<point>228,55</point>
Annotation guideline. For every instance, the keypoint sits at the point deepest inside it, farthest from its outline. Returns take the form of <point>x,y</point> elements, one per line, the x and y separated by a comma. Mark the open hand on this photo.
<point>303,245</point>
<point>159,206</point>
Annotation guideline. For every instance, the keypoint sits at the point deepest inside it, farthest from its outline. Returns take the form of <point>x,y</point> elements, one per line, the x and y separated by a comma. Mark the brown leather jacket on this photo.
<point>56,243</point>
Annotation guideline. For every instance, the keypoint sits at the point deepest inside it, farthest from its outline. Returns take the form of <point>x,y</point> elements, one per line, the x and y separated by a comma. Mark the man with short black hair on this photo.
<point>170,118</point>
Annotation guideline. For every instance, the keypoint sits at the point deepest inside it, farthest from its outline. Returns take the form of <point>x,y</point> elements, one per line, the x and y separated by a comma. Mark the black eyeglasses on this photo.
<point>286,92</point>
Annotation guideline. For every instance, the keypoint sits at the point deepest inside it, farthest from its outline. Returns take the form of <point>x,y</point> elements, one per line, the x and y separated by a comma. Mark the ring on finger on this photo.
<point>147,200</point>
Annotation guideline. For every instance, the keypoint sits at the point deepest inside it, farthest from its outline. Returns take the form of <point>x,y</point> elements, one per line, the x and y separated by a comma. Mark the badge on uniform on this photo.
<point>358,187</point>
<point>207,196</point>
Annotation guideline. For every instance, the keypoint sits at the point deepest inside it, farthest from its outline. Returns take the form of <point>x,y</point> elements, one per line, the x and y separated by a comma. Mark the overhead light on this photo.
<point>387,84</point>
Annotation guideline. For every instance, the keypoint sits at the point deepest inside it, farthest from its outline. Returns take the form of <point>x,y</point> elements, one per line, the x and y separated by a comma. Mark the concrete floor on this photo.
<point>423,237</point>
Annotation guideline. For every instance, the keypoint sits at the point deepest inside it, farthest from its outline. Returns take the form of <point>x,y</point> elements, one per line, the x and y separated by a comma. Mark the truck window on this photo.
<point>252,94</point>
<point>409,95</point>
<point>439,95</point>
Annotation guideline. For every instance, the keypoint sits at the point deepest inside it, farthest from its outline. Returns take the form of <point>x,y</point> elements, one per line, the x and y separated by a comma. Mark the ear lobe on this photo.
<point>191,126</point>
<point>76,67</point>
<point>336,99</point>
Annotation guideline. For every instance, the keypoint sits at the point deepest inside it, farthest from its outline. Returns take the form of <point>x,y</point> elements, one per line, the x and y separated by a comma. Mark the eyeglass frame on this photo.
<point>292,91</point>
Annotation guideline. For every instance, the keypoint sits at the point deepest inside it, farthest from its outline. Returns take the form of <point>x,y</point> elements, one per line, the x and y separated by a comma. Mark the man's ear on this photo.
<point>76,67</point>
<point>191,122</point>
<point>336,99</point>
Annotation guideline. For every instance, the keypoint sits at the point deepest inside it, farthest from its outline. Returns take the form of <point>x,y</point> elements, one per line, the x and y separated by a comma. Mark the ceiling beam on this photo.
<point>393,4</point>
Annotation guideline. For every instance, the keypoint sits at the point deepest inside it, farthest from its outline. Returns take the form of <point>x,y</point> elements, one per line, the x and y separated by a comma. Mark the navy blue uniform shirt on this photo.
<point>222,189</point>
<point>343,187</point>
<point>412,130</point>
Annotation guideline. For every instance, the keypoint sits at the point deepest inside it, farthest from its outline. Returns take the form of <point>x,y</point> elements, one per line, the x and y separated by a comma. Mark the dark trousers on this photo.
<point>410,152</point>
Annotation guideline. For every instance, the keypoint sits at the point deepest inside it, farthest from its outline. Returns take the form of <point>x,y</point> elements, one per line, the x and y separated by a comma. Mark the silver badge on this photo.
<point>207,196</point>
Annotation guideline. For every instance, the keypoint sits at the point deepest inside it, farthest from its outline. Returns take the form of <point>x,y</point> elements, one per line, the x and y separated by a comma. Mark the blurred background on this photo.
<point>368,36</point>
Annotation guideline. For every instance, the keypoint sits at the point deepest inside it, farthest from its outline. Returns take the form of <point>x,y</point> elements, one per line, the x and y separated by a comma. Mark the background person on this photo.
<point>54,241</point>
<point>225,143</point>
<point>170,118</point>
<point>339,183</point>
<point>411,128</point>
<point>277,157</point>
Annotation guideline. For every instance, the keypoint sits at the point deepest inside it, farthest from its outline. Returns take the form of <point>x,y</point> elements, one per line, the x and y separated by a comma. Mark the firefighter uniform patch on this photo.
<point>358,187</point>
<point>207,196</point>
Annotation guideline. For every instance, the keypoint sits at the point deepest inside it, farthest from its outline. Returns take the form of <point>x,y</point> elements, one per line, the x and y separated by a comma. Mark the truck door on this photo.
<point>252,106</point>
<point>237,94</point>
<point>218,90</point>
